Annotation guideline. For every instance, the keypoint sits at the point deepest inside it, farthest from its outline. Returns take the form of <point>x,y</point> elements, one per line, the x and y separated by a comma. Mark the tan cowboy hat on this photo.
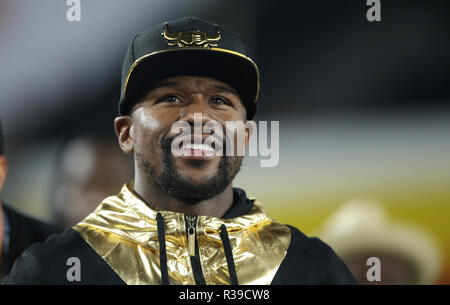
<point>363,225</point>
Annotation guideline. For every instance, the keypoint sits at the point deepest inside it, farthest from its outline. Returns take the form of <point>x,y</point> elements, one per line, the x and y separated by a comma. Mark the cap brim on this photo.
<point>233,68</point>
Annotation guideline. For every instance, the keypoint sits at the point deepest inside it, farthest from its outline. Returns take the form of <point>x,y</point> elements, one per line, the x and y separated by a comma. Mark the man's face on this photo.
<point>3,172</point>
<point>188,178</point>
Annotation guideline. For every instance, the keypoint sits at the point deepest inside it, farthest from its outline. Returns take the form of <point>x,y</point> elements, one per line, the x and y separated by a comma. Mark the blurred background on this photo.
<point>364,112</point>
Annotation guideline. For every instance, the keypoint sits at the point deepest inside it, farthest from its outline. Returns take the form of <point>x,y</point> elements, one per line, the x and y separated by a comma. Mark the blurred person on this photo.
<point>362,228</point>
<point>17,230</point>
<point>91,168</point>
<point>181,221</point>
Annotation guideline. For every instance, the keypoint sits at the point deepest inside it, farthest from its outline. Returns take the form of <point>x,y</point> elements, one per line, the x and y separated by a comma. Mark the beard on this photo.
<point>184,189</point>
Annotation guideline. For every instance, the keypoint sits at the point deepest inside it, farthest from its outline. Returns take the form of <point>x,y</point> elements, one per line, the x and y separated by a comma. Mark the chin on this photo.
<point>197,178</point>
<point>188,167</point>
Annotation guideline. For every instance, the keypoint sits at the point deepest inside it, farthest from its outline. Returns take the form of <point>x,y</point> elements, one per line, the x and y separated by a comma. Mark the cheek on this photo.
<point>147,120</point>
<point>235,137</point>
<point>236,164</point>
<point>148,132</point>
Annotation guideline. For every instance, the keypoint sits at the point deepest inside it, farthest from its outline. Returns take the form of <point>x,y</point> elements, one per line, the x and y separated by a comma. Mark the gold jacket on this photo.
<point>124,231</point>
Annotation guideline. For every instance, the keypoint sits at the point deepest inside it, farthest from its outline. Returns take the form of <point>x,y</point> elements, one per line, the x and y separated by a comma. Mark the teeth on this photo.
<point>198,146</point>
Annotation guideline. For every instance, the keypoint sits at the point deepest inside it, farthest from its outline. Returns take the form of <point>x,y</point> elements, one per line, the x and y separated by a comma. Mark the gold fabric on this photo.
<point>123,231</point>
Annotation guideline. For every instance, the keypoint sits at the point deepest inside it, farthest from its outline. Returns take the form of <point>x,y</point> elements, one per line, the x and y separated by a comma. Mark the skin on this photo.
<point>3,172</point>
<point>150,121</point>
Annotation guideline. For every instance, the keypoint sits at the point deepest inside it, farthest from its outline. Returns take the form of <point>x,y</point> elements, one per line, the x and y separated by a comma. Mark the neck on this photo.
<point>148,190</point>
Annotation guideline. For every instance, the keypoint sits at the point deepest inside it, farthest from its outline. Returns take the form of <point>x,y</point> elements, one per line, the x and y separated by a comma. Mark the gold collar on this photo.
<point>123,231</point>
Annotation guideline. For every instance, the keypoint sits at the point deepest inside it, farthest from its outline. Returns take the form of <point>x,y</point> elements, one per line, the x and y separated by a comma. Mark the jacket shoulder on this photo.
<point>311,261</point>
<point>33,227</point>
<point>51,262</point>
<point>24,232</point>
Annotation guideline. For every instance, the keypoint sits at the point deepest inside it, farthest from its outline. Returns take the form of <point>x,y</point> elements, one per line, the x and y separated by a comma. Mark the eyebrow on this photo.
<point>226,89</point>
<point>178,84</point>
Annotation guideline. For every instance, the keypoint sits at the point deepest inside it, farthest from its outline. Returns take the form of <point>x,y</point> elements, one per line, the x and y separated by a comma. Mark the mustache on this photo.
<point>166,142</point>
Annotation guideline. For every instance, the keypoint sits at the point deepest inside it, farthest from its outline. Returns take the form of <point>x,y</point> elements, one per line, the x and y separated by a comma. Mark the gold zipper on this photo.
<point>191,219</point>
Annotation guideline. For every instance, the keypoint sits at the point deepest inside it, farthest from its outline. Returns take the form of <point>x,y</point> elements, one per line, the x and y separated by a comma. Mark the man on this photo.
<point>181,221</point>
<point>17,231</point>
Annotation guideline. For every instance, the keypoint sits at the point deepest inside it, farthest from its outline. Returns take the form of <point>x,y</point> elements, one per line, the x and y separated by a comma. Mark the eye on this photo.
<point>170,98</point>
<point>218,100</point>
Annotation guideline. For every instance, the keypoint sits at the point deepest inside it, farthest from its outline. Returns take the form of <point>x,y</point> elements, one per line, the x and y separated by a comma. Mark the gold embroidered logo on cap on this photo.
<point>191,38</point>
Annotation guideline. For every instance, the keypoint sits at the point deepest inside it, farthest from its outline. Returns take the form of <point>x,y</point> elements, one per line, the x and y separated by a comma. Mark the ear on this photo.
<point>3,170</point>
<point>123,127</point>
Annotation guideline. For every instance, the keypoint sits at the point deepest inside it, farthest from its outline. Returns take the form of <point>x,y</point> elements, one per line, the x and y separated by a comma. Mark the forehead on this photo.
<point>191,84</point>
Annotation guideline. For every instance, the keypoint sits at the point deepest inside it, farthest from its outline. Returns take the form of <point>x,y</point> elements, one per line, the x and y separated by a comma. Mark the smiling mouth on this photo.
<point>197,151</point>
<point>197,148</point>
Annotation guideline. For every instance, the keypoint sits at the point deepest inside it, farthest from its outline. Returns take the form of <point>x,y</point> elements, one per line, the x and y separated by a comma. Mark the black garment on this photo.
<point>308,260</point>
<point>24,231</point>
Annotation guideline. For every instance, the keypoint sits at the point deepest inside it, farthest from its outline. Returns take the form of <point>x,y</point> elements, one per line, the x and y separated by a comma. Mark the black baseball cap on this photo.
<point>188,46</point>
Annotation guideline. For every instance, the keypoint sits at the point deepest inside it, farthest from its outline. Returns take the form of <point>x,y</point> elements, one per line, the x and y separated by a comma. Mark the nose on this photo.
<point>196,112</point>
